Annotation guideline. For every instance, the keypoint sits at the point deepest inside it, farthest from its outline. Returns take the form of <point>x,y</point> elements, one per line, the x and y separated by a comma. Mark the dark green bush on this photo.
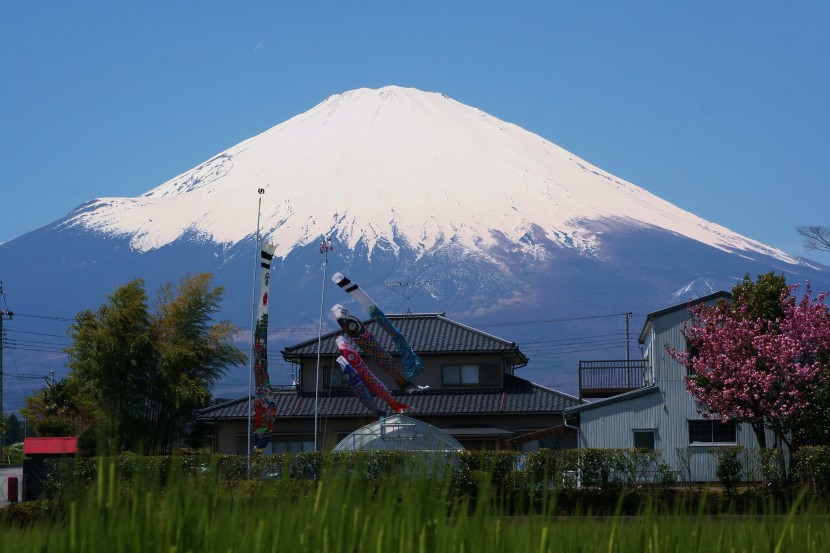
<point>812,467</point>
<point>28,513</point>
<point>730,469</point>
<point>770,470</point>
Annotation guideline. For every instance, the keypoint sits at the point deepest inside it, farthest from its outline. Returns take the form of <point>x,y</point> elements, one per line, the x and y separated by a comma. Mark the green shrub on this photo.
<point>730,469</point>
<point>602,468</point>
<point>28,513</point>
<point>88,442</point>
<point>666,476</point>
<point>545,466</point>
<point>812,467</point>
<point>637,466</point>
<point>13,454</point>
<point>770,470</point>
<point>497,464</point>
<point>305,466</point>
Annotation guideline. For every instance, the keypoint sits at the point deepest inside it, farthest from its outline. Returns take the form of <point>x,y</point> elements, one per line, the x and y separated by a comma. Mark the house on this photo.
<point>656,411</point>
<point>474,394</point>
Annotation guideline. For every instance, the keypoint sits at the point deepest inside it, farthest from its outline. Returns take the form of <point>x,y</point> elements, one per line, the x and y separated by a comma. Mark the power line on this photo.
<point>26,375</point>
<point>538,342</point>
<point>64,337</point>
<point>47,317</point>
<point>545,321</point>
<point>563,352</point>
<point>30,342</point>
<point>40,349</point>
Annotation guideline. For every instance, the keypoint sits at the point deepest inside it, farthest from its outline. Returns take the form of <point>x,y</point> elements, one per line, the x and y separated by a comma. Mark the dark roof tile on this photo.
<point>427,333</point>
<point>518,396</point>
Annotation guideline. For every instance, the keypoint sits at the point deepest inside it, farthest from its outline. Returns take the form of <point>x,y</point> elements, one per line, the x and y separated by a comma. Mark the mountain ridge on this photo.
<point>336,170</point>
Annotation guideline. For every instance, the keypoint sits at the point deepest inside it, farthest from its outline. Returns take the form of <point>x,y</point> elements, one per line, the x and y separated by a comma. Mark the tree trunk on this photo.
<point>760,434</point>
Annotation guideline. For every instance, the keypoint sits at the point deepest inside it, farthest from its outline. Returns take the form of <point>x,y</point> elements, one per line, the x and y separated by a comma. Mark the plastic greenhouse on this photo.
<point>399,433</point>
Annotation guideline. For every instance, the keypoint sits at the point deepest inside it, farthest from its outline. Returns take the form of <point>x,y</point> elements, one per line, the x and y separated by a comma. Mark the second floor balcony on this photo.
<point>599,379</point>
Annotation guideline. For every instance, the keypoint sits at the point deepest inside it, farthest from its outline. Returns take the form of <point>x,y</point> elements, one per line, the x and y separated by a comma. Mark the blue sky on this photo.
<point>718,107</point>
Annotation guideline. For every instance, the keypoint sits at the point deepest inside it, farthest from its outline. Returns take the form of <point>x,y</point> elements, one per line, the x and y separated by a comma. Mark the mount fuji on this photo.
<point>431,205</point>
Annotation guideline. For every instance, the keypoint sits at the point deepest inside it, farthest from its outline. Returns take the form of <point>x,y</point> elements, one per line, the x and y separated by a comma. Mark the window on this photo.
<point>333,378</point>
<point>712,432</point>
<point>455,375</point>
<point>487,374</point>
<point>644,439</point>
<point>285,445</point>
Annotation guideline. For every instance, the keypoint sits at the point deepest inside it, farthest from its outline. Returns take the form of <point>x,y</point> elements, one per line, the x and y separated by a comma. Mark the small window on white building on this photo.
<point>644,439</point>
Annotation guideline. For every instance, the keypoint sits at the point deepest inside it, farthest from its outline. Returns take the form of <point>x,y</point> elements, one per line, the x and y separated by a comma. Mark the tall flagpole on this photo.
<point>325,247</point>
<point>261,191</point>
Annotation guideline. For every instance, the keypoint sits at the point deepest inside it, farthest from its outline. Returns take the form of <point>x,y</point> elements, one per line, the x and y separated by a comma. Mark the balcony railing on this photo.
<point>598,379</point>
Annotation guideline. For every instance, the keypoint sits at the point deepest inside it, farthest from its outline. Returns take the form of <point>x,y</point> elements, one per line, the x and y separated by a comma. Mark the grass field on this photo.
<point>351,513</point>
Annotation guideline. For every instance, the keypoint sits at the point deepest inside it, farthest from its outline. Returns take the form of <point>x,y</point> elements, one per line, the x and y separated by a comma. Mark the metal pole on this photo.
<point>3,314</point>
<point>261,191</point>
<point>627,354</point>
<point>2,413</point>
<point>324,248</point>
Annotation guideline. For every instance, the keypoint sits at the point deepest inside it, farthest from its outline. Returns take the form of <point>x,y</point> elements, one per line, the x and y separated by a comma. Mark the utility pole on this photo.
<point>3,314</point>
<point>627,352</point>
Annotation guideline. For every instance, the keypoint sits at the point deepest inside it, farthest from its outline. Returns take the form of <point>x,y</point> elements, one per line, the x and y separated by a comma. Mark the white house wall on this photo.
<point>613,426</point>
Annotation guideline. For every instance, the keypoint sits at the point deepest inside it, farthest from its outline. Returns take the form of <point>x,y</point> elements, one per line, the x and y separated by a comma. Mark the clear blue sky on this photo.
<point>722,108</point>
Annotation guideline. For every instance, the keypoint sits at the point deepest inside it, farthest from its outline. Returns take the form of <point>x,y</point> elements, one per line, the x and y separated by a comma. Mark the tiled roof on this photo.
<point>427,333</point>
<point>518,396</point>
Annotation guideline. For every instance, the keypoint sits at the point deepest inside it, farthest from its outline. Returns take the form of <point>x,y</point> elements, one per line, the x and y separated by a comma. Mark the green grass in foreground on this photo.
<point>343,513</point>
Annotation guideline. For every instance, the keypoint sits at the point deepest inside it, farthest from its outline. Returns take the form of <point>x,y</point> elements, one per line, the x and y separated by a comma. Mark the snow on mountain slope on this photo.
<point>397,165</point>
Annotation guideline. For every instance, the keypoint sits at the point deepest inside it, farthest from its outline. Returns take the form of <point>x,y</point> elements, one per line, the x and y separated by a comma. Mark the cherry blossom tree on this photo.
<point>752,368</point>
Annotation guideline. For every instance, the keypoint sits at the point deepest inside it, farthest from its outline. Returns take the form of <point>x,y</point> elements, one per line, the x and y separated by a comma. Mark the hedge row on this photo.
<point>592,468</point>
<point>599,469</point>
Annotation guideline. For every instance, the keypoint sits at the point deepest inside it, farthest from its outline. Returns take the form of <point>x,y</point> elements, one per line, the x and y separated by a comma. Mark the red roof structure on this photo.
<point>50,446</point>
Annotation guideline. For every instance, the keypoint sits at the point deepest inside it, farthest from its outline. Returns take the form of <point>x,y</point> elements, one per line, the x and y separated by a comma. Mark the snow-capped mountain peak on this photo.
<point>399,166</point>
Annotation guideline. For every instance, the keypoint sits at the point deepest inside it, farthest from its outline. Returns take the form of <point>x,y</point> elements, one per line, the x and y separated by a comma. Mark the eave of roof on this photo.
<point>518,396</point>
<point>613,399</point>
<point>686,305</point>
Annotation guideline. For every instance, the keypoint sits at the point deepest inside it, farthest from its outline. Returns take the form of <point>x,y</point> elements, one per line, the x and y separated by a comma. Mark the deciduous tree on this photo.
<point>815,237</point>
<point>148,372</point>
<point>757,360</point>
<point>191,355</point>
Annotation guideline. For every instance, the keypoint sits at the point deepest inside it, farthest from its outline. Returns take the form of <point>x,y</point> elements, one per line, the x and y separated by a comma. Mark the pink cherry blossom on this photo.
<point>754,370</point>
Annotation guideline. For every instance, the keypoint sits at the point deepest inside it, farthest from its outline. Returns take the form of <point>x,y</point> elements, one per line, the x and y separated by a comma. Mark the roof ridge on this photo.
<point>477,331</point>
